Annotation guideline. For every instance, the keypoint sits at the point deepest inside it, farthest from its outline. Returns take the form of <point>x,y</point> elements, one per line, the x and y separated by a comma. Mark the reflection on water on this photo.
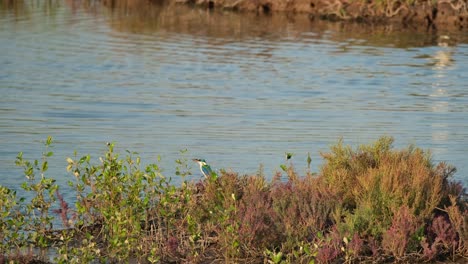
<point>235,89</point>
<point>442,61</point>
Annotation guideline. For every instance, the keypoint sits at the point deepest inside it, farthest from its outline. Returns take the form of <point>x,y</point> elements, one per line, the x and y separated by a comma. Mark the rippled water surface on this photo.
<point>237,90</point>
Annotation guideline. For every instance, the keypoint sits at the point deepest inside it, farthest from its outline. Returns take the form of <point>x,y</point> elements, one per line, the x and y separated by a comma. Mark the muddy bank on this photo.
<point>219,27</point>
<point>441,14</point>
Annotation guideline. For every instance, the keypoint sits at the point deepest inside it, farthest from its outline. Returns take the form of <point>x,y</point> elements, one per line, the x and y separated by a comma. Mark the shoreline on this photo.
<point>419,13</point>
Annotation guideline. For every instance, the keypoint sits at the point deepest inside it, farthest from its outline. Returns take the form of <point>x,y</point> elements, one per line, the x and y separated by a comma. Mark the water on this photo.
<point>238,90</point>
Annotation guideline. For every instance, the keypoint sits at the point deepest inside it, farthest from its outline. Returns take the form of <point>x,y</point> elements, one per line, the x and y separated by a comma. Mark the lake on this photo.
<point>238,90</point>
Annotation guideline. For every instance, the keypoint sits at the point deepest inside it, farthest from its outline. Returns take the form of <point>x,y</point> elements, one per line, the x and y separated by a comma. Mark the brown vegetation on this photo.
<point>441,13</point>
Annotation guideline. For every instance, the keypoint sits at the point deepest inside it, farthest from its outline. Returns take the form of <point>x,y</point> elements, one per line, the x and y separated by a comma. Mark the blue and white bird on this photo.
<point>204,168</point>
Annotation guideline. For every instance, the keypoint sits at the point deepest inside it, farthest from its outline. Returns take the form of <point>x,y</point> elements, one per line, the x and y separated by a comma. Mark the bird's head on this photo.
<point>200,161</point>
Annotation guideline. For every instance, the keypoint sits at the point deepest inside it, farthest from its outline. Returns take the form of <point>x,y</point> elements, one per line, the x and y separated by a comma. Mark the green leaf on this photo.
<point>49,154</point>
<point>319,235</point>
<point>19,159</point>
<point>29,171</point>
<point>84,158</point>
<point>79,208</point>
<point>283,167</point>
<point>45,166</point>
<point>235,244</point>
<point>307,250</point>
<point>49,140</point>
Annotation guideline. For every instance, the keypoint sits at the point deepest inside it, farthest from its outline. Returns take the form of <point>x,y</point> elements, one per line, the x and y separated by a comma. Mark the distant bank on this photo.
<point>438,14</point>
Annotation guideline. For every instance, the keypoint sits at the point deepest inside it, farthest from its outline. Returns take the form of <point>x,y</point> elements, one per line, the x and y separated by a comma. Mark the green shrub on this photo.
<point>376,181</point>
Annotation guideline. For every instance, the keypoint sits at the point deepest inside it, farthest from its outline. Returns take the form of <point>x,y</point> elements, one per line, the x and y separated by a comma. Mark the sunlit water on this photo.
<point>237,90</point>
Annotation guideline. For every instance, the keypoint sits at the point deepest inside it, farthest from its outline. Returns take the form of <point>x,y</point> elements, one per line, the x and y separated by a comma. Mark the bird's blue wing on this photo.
<point>206,170</point>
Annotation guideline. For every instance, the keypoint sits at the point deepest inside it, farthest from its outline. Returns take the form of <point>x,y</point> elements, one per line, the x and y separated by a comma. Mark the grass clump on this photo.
<point>371,203</point>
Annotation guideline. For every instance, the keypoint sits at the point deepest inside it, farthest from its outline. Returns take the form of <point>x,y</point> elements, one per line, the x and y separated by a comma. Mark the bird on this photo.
<point>204,168</point>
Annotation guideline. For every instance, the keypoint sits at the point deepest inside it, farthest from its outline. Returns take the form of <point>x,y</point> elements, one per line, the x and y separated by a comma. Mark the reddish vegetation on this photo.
<point>442,13</point>
<point>370,204</point>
